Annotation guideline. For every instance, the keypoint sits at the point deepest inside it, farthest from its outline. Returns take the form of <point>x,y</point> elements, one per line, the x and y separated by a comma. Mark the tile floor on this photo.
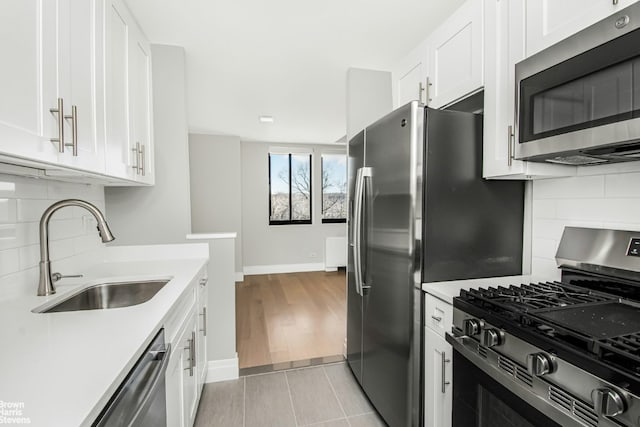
<point>319,396</point>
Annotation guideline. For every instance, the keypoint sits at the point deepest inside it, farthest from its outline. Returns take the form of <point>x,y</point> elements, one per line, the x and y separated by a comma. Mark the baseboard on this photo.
<point>282,268</point>
<point>330,269</point>
<point>222,370</point>
<point>239,276</point>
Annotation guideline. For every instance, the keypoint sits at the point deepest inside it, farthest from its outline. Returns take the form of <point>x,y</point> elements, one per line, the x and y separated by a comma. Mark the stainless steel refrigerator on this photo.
<point>419,211</point>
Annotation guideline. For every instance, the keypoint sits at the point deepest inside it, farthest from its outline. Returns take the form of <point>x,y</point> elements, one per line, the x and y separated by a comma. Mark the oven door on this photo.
<point>492,390</point>
<point>481,401</point>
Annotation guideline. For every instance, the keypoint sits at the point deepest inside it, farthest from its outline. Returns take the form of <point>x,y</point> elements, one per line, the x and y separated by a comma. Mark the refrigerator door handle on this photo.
<point>366,190</point>
<point>358,215</point>
<point>357,218</point>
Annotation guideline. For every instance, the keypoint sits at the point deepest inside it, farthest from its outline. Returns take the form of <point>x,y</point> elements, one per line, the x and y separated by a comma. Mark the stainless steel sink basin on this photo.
<point>109,295</point>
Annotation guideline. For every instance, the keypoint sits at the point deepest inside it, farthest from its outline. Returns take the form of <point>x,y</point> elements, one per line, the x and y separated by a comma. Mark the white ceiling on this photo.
<point>283,58</point>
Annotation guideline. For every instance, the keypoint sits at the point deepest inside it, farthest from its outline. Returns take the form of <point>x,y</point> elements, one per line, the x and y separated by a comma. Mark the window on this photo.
<point>334,188</point>
<point>289,189</point>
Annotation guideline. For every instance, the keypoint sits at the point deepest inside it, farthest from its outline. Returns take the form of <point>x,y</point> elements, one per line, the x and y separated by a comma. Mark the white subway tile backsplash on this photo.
<point>623,185</point>
<point>574,188</point>
<point>542,247</point>
<point>7,211</point>
<point>22,202</point>
<point>10,261</point>
<point>544,208</point>
<point>595,201</point>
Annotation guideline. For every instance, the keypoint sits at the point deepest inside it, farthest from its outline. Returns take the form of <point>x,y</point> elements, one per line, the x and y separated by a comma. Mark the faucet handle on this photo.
<point>57,276</point>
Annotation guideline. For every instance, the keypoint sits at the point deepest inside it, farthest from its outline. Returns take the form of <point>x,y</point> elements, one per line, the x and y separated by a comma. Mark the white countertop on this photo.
<point>62,368</point>
<point>446,291</point>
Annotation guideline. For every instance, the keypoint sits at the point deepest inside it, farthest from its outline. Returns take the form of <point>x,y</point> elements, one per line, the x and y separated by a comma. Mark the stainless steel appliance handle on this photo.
<point>154,383</point>
<point>510,145</point>
<point>445,383</point>
<point>366,174</point>
<point>357,218</point>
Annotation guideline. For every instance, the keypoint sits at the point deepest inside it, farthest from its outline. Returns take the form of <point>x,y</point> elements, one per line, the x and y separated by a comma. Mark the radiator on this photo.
<point>335,252</point>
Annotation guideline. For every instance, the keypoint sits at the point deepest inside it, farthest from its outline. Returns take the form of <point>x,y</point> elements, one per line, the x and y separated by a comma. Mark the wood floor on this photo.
<point>287,317</point>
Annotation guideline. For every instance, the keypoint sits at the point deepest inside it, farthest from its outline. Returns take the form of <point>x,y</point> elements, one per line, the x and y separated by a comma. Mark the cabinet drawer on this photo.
<point>438,315</point>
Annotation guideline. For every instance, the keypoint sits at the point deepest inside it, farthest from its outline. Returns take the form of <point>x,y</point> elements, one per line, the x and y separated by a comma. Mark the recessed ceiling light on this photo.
<point>265,119</point>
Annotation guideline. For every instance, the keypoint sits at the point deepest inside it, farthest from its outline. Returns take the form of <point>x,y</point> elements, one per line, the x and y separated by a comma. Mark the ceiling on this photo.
<point>283,58</point>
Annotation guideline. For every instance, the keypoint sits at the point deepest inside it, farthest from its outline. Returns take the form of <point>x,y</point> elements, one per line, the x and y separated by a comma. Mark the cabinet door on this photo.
<point>409,77</point>
<point>201,343</point>
<point>119,154</point>
<point>505,46</point>
<point>438,380</point>
<point>549,21</point>
<point>190,369</point>
<point>456,55</point>
<point>26,28</point>
<point>81,79</point>
<point>141,106</point>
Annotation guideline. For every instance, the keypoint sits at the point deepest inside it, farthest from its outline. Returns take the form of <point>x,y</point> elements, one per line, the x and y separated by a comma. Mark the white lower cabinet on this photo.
<point>438,361</point>
<point>184,377</point>
<point>201,336</point>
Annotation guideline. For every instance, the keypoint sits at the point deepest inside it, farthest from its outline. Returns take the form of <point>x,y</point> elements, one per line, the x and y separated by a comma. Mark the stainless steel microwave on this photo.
<point>578,101</point>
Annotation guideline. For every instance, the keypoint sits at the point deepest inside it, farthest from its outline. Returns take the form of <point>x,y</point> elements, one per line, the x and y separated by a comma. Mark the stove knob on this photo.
<point>471,327</point>
<point>492,337</point>
<point>540,364</point>
<point>608,402</point>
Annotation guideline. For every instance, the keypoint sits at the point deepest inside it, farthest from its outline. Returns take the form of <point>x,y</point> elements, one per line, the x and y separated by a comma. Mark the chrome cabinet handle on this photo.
<point>60,112</point>
<point>191,346</point>
<point>74,130</point>
<point>204,321</point>
<point>203,282</point>
<point>136,156</point>
<point>510,145</point>
<point>428,88</point>
<point>445,383</point>
<point>436,318</point>
<point>615,2</point>
<point>421,90</point>
<point>142,161</point>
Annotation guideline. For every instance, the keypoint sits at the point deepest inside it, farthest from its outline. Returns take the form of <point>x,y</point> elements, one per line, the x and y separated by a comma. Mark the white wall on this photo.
<point>268,248</point>
<point>72,230</point>
<point>216,202</point>
<point>159,214</point>
<point>599,201</point>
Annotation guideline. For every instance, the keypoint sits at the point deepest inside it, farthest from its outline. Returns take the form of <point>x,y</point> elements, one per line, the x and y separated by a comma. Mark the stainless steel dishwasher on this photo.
<point>140,400</point>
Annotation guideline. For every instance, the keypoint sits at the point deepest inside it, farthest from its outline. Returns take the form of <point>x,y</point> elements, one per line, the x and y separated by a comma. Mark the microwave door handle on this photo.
<point>154,383</point>
<point>357,221</point>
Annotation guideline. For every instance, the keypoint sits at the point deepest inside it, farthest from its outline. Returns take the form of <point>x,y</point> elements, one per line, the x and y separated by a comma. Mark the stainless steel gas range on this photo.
<point>563,353</point>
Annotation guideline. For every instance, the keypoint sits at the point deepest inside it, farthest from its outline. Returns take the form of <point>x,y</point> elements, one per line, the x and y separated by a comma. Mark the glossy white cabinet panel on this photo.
<point>549,21</point>
<point>438,397</point>
<point>456,52</point>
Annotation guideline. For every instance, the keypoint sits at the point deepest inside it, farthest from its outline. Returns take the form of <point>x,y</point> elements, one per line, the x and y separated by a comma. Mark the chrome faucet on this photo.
<point>45,287</point>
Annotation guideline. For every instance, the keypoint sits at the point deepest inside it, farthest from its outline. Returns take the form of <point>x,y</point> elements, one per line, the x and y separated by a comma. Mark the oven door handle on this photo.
<point>154,382</point>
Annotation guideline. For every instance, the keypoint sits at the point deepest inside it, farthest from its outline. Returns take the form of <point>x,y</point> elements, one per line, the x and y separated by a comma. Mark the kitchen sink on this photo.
<point>109,295</point>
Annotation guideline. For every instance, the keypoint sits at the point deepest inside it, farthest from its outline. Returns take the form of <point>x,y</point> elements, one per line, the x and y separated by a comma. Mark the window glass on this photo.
<point>334,188</point>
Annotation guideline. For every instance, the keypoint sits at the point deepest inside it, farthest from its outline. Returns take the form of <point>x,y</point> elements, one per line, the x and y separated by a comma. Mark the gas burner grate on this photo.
<point>531,297</point>
<point>626,346</point>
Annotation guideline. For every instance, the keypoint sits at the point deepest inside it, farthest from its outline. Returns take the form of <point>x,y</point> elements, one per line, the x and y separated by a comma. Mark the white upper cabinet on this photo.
<point>67,103</point>
<point>129,150</point>
<point>141,106</point>
<point>410,77</point>
<point>25,26</point>
<point>80,83</point>
<point>549,21</point>
<point>455,56</point>
<point>505,46</point>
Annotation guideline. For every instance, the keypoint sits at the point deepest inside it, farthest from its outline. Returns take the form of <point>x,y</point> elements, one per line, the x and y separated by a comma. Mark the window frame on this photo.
<point>293,221</point>
<point>329,220</point>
